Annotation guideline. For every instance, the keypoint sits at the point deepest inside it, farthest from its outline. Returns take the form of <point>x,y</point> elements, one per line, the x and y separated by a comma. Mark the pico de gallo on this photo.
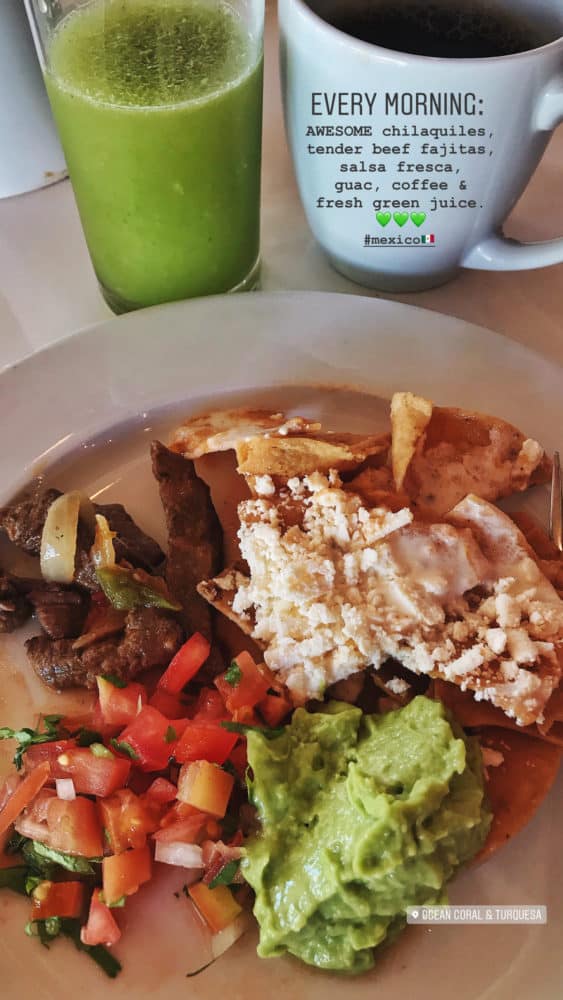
<point>154,775</point>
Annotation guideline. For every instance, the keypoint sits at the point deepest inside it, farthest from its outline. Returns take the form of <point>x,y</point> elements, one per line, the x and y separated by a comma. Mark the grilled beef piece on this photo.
<point>131,543</point>
<point>23,522</point>
<point>15,608</point>
<point>23,519</point>
<point>61,610</point>
<point>195,538</point>
<point>150,639</point>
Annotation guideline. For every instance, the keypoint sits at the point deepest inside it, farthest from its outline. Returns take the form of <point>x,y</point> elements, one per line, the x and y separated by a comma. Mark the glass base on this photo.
<point>118,305</point>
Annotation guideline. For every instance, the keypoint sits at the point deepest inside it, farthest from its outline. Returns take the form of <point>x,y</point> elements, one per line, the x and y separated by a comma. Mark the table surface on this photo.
<point>48,289</point>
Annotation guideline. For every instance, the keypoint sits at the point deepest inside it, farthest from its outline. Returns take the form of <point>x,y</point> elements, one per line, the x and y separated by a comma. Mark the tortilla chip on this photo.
<point>220,593</point>
<point>375,487</point>
<point>462,452</point>
<point>222,430</point>
<point>291,457</point>
<point>410,416</point>
<point>516,787</point>
<point>473,714</point>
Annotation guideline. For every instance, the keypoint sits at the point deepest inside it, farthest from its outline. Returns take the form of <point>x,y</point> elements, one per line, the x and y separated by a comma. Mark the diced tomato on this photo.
<point>120,705</point>
<point>179,726</point>
<point>127,820</point>
<point>273,708</point>
<point>148,738</point>
<point>217,906</point>
<point>216,856</point>
<point>74,827</point>
<point>161,791</point>
<point>177,812</point>
<point>122,874</point>
<point>244,684</point>
<point>185,831</point>
<point>205,786</point>
<point>101,927</point>
<point>239,759</point>
<point>185,664</point>
<point>24,794</point>
<point>57,899</point>
<point>203,740</point>
<point>46,751</point>
<point>210,705</point>
<point>91,775</point>
<point>247,716</point>
<point>171,705</point>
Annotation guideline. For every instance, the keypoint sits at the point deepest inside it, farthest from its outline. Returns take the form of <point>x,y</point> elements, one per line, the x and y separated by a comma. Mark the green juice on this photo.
<point>159,106</point>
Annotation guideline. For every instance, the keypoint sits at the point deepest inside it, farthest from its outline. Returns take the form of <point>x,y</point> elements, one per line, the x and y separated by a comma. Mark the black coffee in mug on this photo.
<point>451,29</point>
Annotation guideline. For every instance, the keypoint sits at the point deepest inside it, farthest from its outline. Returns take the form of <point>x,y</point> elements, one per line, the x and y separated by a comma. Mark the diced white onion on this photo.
<point>65,789</point>
<point>176,853</point>
<point>58,540</point>
<point>222,941</point>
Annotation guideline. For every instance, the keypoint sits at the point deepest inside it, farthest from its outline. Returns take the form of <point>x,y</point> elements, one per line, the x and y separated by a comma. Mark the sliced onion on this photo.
<point>58,540</point>
<point>65,789</point>
<point>224,940</point>
<point>102,552</point>
<point>176,853</point>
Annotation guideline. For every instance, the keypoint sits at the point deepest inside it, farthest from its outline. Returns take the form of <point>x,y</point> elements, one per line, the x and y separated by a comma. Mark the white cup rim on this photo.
<point>365,47</point>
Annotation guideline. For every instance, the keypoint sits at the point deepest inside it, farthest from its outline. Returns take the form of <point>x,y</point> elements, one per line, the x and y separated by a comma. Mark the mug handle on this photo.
<point>500,253</point>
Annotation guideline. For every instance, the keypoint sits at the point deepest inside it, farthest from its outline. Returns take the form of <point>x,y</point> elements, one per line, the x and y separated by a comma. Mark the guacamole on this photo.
<point>361,817</point>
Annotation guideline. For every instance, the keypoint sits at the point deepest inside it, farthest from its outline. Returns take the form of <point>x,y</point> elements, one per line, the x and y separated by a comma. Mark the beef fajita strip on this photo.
<point>195,539</point>
<point>150,638</point>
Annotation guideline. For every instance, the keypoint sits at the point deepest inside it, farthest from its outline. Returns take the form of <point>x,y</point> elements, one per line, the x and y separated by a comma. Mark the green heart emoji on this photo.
<point>418,218</point>
<point>401,218</point>
<point>384,218</point>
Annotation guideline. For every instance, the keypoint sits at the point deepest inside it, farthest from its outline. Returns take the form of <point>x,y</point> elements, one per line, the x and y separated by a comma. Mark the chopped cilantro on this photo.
<point>170,735</point>
<point>15,843</point>
<point>31,883</point>
<point>117,682</point>
<point>226,875</point>
<point>14,879</point>
<point>48,930</point>
<point>31,737</point>
<point>233,675</point>
<point>40,858</point>
<point>123,747</point>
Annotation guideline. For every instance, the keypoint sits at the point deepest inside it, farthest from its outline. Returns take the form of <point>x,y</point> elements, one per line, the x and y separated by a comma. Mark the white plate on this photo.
<point>85,410</point>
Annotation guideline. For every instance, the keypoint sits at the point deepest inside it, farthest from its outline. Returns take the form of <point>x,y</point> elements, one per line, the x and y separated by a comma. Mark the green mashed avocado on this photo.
<point>361,817</point>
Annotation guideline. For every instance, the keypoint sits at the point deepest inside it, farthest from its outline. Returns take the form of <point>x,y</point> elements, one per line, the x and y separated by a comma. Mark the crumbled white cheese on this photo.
<point>397,685</point>
<point>264,486</point>
<point>350,587</point>
<point>496,640</point>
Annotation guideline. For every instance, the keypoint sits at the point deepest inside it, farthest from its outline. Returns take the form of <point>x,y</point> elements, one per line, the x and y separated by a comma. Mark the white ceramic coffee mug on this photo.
<point>408,165</point>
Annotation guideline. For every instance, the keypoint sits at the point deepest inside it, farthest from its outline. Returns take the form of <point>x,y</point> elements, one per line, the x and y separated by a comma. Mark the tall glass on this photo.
<point>158,104</point>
